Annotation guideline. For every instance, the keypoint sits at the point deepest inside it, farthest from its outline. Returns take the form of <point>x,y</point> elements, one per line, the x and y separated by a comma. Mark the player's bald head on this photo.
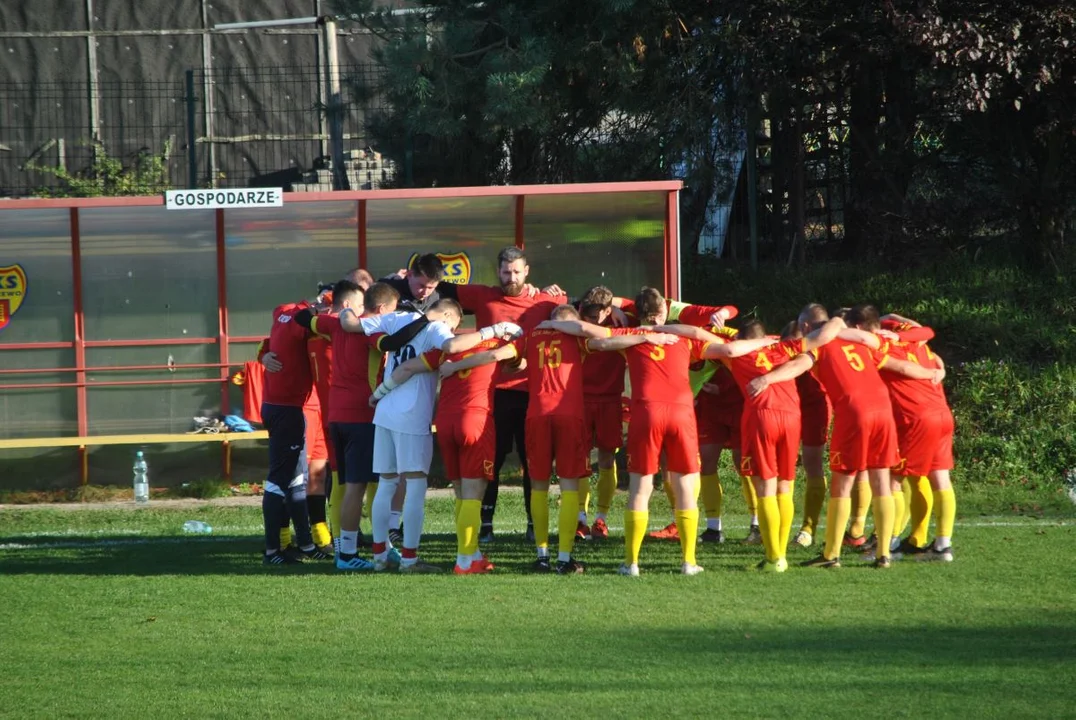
<point>565,312</point>
<point>813,313</point>
<point>360,277</point>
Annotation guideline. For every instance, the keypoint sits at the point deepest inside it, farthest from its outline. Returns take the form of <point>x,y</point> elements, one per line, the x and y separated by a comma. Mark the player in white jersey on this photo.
<point>403,444</point>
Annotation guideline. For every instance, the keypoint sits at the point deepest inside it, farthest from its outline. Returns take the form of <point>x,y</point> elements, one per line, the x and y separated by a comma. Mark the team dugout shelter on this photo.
<point>122,319</point>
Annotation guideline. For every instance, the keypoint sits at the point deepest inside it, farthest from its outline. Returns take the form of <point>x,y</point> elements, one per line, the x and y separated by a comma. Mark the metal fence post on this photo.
<point>192,134</point>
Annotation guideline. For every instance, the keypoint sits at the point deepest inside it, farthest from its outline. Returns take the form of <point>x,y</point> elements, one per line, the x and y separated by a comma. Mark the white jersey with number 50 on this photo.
<point>408,408</point>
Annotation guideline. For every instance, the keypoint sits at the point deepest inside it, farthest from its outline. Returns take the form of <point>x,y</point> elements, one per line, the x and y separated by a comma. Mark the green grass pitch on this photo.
<point>112,612</point>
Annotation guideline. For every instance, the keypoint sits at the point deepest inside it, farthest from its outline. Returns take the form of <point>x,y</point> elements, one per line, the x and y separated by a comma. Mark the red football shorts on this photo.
<point>814,423</point>
<point>657,426</point>
<point>467,442</point>
<point>559,438</point>
<point>316,447</point>
<point>717,422</point>
<point>863,440</point>
<point>771,444</point>
<point>926,443</point>
<point>604,423</point>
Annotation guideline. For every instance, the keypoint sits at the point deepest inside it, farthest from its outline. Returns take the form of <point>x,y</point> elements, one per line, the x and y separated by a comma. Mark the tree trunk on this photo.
<point>861,204</point>
<point>898,157</point>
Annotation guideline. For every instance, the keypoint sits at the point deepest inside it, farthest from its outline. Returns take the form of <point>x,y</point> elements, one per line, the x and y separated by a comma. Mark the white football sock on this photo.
<point>414,512</point>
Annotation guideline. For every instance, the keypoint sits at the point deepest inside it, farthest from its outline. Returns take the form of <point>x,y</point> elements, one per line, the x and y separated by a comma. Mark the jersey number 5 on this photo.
<point>549,354</point>
<point>853,357</point>
<point>657,353</point>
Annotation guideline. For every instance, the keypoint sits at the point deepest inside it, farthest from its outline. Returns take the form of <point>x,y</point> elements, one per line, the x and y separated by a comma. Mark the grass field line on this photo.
<point>228,533</point>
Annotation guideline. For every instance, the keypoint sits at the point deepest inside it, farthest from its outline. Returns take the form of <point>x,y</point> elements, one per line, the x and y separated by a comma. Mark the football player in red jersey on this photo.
<point>285,394</point>
<point>815,417</point>
<point>603,390</point>
<point>770,434</point>
<point>924,429</point>
<point>662,419</point>
<point>357,361</point>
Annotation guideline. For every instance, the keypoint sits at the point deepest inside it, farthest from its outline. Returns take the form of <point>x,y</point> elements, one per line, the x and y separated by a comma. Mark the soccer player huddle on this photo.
<point>387,362</point>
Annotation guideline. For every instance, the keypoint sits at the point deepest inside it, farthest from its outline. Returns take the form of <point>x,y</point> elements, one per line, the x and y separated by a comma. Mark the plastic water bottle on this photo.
<point>197,527</point>
<point>141,479</point>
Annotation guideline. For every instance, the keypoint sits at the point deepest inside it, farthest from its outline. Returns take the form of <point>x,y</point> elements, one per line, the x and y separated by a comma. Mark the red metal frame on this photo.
<point>672,246</point>
<point>79,344</point>
<point>223,340</point>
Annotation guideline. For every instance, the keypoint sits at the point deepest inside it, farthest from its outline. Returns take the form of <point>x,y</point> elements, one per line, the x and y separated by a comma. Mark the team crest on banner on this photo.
<point>12,292</point>
<point>457,266</point>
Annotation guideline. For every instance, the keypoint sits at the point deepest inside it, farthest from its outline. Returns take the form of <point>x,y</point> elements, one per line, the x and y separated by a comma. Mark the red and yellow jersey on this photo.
<point>356,370</point>
<point>849,373</point>
<point>660,373</point>
<point>781,396</point>
<point>603,376</point>
<point>287,340</point>
<point>554,372</point>
<point>912,397</point>
<point>490,306</point>
<point>810,390</point>
<point>468,390</point>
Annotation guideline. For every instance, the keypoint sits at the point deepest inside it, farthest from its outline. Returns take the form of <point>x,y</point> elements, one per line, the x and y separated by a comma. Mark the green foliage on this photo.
<point>146,174</point>
<point>1008,337</point>
<point>202,489</point>
<point>993,635</point>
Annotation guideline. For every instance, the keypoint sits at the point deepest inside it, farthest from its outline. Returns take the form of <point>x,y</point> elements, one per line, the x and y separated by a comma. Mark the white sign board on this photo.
<point>214,199</point>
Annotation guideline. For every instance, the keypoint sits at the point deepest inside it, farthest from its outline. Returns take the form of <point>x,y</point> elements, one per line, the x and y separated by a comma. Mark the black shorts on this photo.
<point>354,446</point>
<point>287,444</point>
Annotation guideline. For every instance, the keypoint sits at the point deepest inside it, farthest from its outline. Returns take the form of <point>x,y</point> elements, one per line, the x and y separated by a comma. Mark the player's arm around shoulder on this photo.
<point>578,328</point>
<point>782,373</point>
<point>824,335</point>
<point>505,352</point>
<point>718,348</point>
<point>863,337</point>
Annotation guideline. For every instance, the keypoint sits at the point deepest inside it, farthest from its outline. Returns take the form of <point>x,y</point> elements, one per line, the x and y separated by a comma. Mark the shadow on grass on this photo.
<point>241,555</point>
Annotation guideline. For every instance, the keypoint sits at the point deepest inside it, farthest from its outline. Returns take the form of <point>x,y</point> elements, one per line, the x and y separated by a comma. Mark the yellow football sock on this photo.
<point>769,524</point>
<point>906,491</point>
<point>813,500</point>
<point>566,521</point>
<point>636,523</point>
<point>459,504</point>
<point>606,488</point>
<point>788,513</point>
<point>540,516</point>
<point>285,537</point>
<point>713,495</point>
<point>836,520</point>
<point>335,502</point>
<point>921,506</point>
<point>883,522</point>
<point>584,496</point>
<point>320,532</point>
<point>670,493</point>
<point>861,503</point>
<point>899,514</point>
<point>468,522</point>
<point>945,505</point>
<point>749,496</point>
<point>687,522</point>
